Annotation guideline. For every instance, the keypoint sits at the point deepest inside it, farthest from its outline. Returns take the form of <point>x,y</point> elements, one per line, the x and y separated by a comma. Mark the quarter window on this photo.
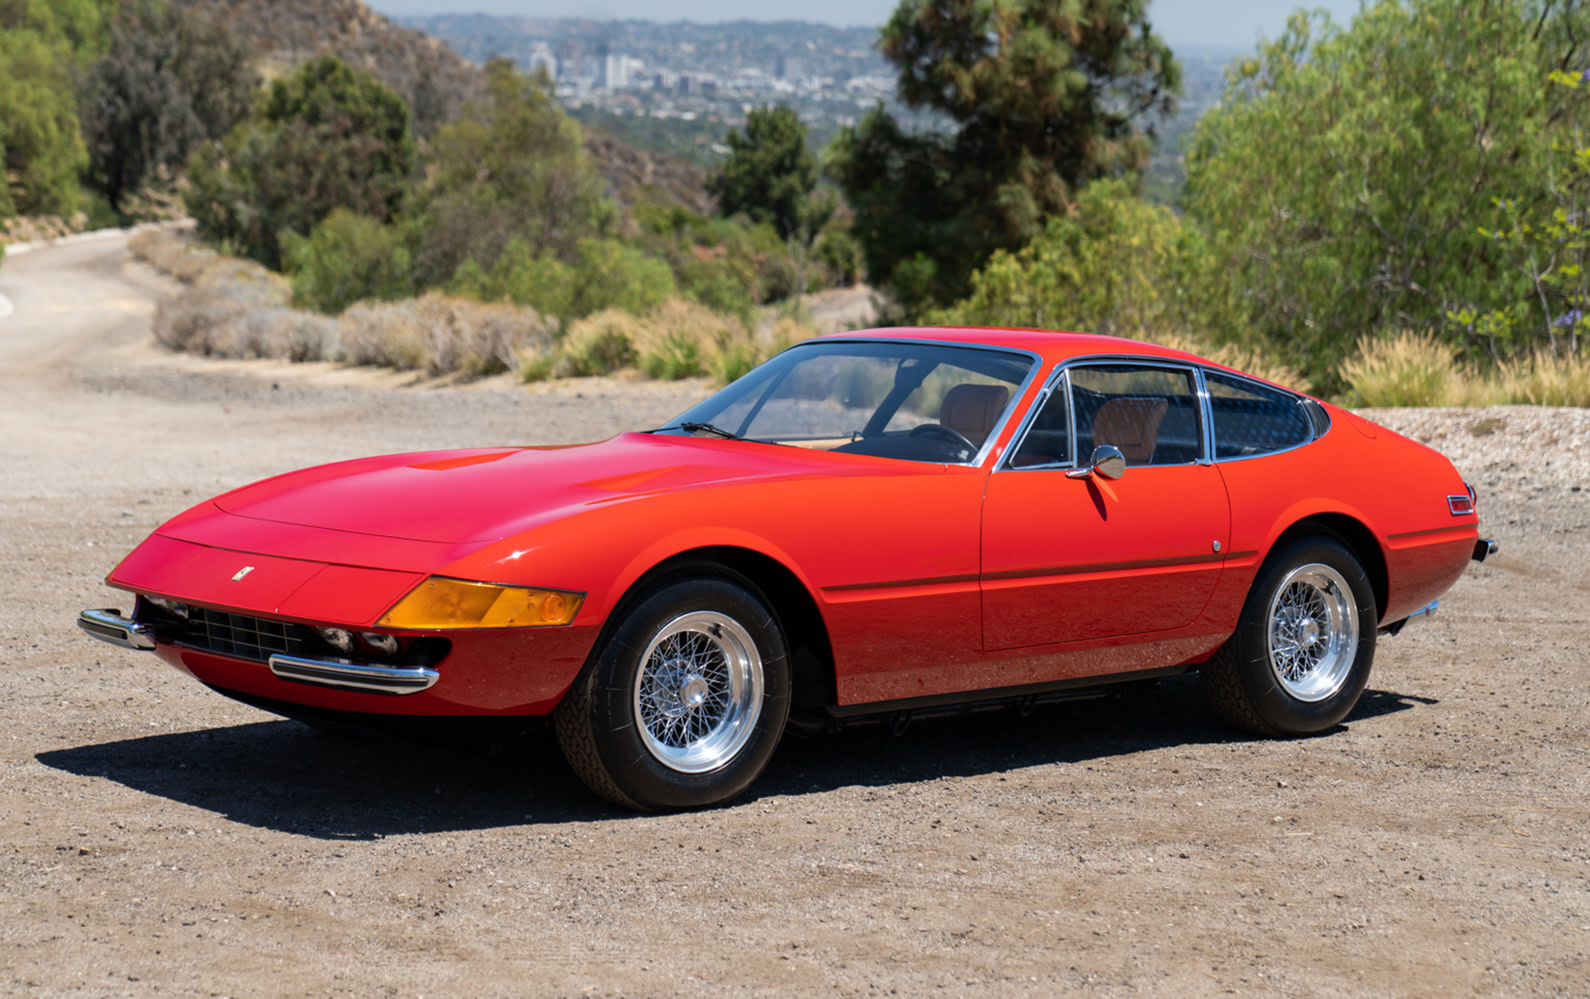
<point>1048,440</point>
<point>1250,419</point>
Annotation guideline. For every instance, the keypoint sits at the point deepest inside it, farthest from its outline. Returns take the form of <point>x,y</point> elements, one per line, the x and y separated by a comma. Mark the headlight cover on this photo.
<point>441,603</point>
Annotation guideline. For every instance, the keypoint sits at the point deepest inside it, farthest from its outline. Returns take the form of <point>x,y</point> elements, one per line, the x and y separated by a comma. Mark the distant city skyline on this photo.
<point>1226,23</point>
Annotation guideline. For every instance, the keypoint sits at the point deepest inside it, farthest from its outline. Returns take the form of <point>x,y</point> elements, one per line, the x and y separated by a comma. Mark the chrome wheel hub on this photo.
<point>1313,632</point>
<point>698,692</point>
<point>1308,633</point>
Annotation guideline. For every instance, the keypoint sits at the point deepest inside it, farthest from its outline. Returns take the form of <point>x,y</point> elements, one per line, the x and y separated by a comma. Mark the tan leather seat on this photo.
<point>972,410</point>
<point>1131,425</point>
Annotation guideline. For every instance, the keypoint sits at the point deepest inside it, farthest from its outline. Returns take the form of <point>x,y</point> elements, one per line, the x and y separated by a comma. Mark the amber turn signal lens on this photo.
<point>440,603</point>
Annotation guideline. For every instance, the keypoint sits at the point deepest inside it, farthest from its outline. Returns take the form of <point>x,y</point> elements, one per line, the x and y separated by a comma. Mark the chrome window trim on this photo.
<point>1058,381</point>
<point>1207,410</point>
<point>1297,397</point>
<point>1010,407</point>
<point>1092,360</point>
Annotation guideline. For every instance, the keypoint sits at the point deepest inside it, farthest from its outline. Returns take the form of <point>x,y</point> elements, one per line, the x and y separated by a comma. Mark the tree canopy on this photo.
<point>510,167</point>
<point>326,137</point>
<point>43,144</point>
<point>1354,180</point>
<point>770,174</point>
<point>166,81</point>
<point>1041,96</point>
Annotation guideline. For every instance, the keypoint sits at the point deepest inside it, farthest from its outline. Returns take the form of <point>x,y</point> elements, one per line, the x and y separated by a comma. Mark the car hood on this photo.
<point>483,495</point>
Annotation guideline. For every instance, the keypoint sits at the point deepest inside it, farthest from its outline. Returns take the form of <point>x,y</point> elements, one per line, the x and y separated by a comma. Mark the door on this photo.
<point>1069,559</point>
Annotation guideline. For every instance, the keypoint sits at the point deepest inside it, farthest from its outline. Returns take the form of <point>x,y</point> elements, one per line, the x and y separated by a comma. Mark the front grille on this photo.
<point>243,637</point>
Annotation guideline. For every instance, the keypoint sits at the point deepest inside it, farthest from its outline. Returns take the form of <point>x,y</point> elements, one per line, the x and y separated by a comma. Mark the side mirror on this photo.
<point>1107,460</point>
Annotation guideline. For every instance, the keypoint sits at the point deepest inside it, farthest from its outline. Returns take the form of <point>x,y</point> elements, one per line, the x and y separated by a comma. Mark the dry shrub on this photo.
<point>478,338</point>
<point>596,345</point>
<point>216,318</point>
<point>678,339</point>
<point>176,253</point>
<point>442,335</point>
<point>1413,369</point>
<point>383,334</point>
<point>1546,380</point>
<point>682,339</point>
<point>295,335</point>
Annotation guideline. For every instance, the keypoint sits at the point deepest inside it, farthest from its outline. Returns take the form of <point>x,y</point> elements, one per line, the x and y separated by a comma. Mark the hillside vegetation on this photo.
<point>1372,210</point>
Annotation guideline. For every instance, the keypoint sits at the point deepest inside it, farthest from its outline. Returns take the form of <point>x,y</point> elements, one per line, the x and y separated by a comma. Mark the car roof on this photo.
<point>1052,345</point>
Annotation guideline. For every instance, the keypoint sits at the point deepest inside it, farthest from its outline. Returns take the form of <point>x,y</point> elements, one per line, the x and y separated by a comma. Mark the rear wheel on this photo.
<point>1302,651</point>
<point>685,700</point>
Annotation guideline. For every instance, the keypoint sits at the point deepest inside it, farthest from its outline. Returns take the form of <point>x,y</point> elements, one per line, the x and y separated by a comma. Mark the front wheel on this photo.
<point>1301,654</point>
<point>685,700</point>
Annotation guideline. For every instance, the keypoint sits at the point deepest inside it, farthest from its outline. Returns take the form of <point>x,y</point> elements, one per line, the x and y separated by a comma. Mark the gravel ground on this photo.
<point>156,839</point>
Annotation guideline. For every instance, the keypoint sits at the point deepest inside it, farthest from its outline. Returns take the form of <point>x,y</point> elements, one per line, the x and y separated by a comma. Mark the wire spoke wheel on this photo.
<point>1312,632</point>
<point>698,692</point>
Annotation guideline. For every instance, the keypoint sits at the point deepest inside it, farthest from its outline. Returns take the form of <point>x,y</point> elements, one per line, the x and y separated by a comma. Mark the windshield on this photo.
<point>894,399</point>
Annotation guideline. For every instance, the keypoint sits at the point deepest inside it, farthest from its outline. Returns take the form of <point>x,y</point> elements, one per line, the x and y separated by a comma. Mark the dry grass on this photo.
<point>1412,369</point>
<point>1546,380</point>
<point>1243,359</point>
<point>678,339</point>
<point>1416,369</point>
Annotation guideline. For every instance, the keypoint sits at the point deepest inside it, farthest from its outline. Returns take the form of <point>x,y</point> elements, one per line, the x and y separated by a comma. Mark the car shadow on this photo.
<point>1174,713</point>
<point>285,776</point>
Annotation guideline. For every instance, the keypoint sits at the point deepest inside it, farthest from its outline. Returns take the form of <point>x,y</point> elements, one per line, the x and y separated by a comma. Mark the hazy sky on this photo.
<point>1237,23</point>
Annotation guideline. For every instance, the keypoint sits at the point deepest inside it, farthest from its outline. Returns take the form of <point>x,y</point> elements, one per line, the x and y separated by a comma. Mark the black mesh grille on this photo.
<point>243,637</point>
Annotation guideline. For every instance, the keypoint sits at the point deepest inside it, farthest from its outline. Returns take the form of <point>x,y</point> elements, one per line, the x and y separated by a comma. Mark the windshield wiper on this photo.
<point>693,427</point>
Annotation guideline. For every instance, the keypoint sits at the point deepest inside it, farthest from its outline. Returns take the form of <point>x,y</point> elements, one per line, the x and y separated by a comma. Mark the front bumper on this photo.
<point>519,671</point>
<point>109,626</point>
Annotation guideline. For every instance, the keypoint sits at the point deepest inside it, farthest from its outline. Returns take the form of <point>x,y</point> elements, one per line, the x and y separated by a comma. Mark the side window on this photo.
<point>1150,413</point>
<point>1251,419</point>
<point>1048,440</point>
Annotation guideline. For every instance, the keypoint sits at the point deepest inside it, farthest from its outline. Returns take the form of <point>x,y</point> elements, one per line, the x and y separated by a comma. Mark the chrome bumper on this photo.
<point>1427,611</point>
<point>354,676</point>
<point>109,626</point>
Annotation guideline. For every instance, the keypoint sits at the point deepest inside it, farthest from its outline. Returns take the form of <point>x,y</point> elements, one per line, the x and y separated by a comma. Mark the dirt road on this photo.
<point>157,839</point>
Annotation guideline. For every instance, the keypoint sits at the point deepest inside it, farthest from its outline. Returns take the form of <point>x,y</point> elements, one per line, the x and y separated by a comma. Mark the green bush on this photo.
<point>1349,173</point>
<point>512,167</point>
<point>326,137</point>
<point>609,274</point>
<point>1117,265</point>
<point>605,274</point>
<point>44,151</point>
<point>348,257</point>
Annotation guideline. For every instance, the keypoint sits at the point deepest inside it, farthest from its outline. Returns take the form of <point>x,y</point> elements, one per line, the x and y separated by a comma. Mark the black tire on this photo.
<point>1315,593</point>
<point>684,700</point>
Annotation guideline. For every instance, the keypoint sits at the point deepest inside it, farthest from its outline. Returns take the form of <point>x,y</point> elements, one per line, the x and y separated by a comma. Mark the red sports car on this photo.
<point>878,523</point>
